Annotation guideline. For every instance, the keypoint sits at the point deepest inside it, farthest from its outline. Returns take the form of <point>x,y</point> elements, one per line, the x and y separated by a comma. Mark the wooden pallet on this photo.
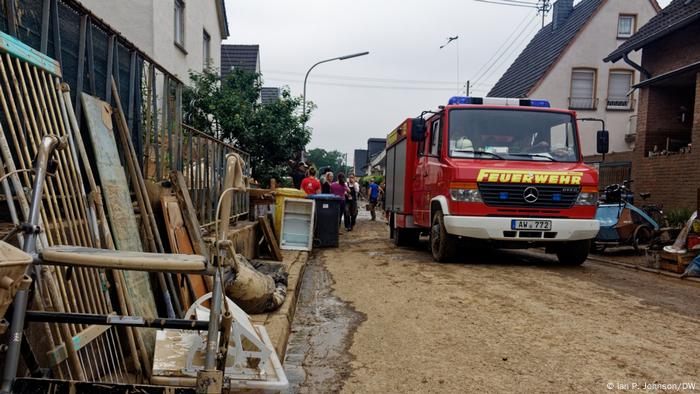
<point>675,262</point>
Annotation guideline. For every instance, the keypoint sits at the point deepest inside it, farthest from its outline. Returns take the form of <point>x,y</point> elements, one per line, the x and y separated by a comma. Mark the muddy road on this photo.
<point>376,318</point>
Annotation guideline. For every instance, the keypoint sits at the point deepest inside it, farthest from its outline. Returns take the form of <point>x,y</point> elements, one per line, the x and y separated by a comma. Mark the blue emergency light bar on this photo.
<point>498,101</point>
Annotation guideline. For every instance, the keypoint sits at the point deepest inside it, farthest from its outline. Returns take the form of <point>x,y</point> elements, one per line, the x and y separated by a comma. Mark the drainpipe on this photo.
<point>636,66</point>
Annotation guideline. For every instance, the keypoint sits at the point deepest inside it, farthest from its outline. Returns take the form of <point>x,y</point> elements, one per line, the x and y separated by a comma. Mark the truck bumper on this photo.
<point>499,228</point>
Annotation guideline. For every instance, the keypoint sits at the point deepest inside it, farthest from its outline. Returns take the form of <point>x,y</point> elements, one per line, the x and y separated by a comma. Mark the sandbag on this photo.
<point>252,290</point>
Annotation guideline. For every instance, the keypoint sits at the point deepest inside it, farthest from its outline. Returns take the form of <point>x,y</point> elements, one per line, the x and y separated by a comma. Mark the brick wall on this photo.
<point>672,180</point>
<point>676,50</point>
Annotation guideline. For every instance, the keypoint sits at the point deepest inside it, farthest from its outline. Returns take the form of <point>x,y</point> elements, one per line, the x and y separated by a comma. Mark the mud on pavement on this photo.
<point>497,322</point>
<point>317,357</point>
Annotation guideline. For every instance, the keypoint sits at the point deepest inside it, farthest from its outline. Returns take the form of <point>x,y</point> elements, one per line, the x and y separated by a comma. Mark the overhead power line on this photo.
<point>387,87</point>
<point>505,42</point>
<point>542,6</point>
<point>522,36</point>
<point>510,4</point>
<point>359,78</point>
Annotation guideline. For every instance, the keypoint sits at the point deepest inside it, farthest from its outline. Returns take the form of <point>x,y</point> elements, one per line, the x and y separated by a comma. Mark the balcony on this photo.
<point>583,103</point>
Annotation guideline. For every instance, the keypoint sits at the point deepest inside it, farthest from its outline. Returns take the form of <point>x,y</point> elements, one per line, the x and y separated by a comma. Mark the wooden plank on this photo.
<point>189,213</point>
<point>678,258</point>
<point>28,54</point>
<point>678,268</point>
<point>82,339</point>
<point>120,211</point>
<point>270,238</point>
<point>180,242</point>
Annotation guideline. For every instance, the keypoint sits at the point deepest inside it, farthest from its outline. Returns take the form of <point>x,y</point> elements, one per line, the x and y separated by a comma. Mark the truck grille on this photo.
<point>513,195</point>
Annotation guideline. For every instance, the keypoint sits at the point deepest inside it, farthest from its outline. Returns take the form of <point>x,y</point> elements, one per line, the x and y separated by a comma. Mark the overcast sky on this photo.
<point>405,72</point>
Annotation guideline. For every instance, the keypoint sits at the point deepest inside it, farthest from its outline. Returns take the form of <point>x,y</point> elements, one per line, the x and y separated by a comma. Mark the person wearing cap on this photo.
<point>299,174</point>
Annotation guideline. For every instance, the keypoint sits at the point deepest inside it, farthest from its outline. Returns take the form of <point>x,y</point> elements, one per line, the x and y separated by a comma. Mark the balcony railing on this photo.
<point>583,103</point>
<point>620,103</point>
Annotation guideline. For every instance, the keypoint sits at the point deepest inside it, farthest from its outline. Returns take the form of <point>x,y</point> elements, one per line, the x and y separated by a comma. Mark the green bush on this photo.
<point>364,181</point>
<point>679,217</point>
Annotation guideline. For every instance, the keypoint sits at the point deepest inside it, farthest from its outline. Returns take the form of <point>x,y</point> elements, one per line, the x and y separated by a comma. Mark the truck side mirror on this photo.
<point>418,129</point>
<point>603,141</point>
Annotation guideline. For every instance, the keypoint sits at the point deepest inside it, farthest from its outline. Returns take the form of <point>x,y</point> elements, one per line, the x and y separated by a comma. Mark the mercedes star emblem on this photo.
<point>531,194</point>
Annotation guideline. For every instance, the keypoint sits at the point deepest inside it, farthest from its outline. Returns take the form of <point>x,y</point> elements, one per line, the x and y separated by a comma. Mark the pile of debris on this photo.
<point>94,277</point>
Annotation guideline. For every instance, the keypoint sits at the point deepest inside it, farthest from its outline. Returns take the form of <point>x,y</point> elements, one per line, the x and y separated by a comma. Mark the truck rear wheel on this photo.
<point>442,245</point>
<point>574,252</point>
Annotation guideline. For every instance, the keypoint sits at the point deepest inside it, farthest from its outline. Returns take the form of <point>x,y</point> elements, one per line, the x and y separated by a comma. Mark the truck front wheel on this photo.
<point>574,252</point>
<point>442,245</point>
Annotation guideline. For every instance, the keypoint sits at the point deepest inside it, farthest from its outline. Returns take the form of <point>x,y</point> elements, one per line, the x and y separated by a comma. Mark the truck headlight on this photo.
<point>587,198</point>
<point>465,195</point>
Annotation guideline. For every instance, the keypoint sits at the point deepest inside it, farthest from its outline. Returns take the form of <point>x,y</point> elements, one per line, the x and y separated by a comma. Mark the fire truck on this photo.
<point>502,171</point>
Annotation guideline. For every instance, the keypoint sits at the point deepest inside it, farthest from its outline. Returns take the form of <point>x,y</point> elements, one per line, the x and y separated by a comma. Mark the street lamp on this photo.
<point>325,61</point>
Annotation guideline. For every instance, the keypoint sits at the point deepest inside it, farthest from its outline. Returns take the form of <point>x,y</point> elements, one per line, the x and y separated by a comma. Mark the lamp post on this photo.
<point>325,61</point>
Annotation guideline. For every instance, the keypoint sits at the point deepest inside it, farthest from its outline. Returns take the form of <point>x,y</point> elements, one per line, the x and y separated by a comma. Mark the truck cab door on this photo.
<point>421,197</point>
<point>432,175</point>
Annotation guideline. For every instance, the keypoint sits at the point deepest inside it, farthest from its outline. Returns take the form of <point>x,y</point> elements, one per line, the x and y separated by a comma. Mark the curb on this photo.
<point>645,269</point>
<point>278,323</point>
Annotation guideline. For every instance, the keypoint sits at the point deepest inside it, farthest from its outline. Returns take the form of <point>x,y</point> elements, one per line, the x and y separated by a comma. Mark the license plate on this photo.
<point>537,225</point>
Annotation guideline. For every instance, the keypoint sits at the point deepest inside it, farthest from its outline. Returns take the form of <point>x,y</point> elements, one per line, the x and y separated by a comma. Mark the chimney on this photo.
<point>562,10</point>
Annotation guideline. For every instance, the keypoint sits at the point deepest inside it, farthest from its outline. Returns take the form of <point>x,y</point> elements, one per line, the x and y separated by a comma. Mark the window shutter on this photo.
<point>619,85</point>
<point>582,89</point>
<point>582,84</point>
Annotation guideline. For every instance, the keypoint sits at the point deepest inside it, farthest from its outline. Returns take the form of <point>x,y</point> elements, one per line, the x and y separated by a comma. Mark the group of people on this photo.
<point>348,189</point>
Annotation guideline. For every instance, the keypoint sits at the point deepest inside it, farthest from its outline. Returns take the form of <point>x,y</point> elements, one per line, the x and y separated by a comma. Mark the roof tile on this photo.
<point>542,52</point>
<point>242,56</point>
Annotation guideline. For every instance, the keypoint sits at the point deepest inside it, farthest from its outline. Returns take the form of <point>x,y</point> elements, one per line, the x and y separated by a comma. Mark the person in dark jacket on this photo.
<point>326,181</point>
<point>351,203</point>
<point>298,174</point>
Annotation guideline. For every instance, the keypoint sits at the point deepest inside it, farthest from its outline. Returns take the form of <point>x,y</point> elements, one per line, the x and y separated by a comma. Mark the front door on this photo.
<point>422,178</point>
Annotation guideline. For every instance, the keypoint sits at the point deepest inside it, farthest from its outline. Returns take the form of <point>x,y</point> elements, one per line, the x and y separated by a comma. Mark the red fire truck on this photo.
<point>508,172</point>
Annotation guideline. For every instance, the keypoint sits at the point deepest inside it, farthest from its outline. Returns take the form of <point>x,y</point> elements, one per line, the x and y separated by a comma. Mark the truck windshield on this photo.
<point>501,134</point>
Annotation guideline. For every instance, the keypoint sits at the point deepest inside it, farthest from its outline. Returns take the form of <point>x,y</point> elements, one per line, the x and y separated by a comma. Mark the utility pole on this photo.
<point>544,8</point>
<point>468,82</point>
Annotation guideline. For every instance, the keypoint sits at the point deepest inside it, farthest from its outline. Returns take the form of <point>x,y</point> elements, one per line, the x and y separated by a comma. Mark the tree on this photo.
<point>228,109</point>
<point>321,158</point>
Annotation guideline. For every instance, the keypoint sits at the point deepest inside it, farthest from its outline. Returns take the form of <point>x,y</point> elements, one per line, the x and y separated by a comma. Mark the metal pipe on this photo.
<point>215,312</point>
<point>636,66</point>
<point>118,320</point>
<point>48,144</point>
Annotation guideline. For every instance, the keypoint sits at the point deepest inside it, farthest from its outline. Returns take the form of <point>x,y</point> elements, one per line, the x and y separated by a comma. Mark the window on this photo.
<point>206,45</point>
<point>180,23</point>
<point>626,25</point>
<point>435,139</point>
<point>583,81</point>
<point>497,134</point>
<point>619,84</point>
